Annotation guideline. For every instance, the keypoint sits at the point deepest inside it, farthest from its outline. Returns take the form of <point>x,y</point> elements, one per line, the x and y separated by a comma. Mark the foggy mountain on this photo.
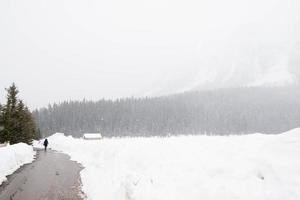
<point>279,75</point>
<point>260,51</point>
<point>239,60</point>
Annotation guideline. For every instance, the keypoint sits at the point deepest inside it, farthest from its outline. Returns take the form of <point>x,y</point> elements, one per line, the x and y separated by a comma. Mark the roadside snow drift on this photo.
<point>260,167</point>
<point>14,156</point>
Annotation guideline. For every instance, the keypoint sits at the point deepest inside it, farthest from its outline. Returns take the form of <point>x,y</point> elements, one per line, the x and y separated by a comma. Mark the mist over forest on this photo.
<point>214,112</point>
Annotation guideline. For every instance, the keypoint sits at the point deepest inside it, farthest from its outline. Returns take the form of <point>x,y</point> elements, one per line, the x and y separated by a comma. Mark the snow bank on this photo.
<point>14,156</point>
<point>260,167</point>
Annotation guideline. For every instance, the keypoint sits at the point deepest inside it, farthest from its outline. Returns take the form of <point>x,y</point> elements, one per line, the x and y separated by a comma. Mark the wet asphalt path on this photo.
<point>52,176</point>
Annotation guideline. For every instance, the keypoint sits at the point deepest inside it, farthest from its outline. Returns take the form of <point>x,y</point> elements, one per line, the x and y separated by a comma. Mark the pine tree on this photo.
<point>1,117</point>
<point>28,125</point>
<point>22,126</point>
<point>19,125</point>
<point>1,125</point>
<point>38,134</point>
<point>9,115</point>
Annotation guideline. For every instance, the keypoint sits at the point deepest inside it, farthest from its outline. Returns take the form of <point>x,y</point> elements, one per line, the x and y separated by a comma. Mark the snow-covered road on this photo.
<point>52,176</point>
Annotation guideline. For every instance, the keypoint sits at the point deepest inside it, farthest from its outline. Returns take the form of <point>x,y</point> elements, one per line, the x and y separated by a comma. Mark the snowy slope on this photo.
<point>14,156</point>
<point>204,78</point>
<point>260,167</point>
<point>278,75</point>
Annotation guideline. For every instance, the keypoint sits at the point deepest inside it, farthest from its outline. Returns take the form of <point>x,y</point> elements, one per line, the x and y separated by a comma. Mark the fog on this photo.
<point>71,49</point>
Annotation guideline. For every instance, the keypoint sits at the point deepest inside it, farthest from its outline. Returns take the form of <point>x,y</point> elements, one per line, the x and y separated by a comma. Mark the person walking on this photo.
<point>46,144</point>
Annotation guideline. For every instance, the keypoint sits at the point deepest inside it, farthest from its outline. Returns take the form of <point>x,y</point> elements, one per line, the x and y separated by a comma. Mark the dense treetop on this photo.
<point>16,121</point>
<point>221,112</point>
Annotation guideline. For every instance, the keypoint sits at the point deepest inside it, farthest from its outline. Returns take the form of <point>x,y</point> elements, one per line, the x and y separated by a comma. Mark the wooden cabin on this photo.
<point>92,136</point>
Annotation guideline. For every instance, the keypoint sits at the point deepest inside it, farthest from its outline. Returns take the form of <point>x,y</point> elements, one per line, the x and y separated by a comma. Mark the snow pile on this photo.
<point>260,167</point>
<point>14,156</point>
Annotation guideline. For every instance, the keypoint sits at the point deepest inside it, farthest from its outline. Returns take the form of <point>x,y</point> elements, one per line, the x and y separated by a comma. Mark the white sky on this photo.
<point>73,49</point>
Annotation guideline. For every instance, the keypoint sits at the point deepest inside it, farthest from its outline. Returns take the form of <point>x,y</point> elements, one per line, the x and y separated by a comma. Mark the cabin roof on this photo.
<point>92,135</point>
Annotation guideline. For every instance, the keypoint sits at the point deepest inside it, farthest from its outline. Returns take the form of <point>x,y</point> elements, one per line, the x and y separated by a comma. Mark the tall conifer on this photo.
<point>17,120</point>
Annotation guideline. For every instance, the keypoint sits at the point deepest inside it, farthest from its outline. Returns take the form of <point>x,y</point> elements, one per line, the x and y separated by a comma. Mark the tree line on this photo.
<point>216,112</point>
<point>16,120</point>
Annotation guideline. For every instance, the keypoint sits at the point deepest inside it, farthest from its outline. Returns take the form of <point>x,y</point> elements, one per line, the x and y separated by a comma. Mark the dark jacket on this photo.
<point>46,142</point>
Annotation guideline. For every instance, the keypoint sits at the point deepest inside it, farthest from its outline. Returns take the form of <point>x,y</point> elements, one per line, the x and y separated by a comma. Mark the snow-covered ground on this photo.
<point>260,167</point>
<point>14,156</point>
